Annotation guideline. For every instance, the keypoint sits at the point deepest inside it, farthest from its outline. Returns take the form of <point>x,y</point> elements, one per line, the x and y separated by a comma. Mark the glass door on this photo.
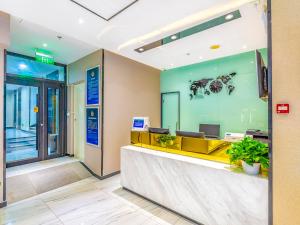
<point>34,120</point>
<point>170,111</point>
<point>53,118</point>
<point>22,107</point>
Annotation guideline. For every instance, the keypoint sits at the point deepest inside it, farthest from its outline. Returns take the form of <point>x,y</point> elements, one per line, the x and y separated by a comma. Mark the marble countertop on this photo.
<point>209,192</point>
<point>202,162</point>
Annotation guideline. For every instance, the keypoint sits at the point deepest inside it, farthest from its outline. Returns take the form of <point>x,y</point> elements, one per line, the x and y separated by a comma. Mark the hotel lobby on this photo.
<point>149,112</point>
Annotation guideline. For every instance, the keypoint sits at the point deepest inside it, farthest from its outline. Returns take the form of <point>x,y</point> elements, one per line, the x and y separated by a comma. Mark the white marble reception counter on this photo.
<point>204,191</point>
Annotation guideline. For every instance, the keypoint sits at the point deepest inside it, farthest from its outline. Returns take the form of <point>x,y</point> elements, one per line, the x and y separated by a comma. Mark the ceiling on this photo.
<point>27,36</point>
<point>143,22</point>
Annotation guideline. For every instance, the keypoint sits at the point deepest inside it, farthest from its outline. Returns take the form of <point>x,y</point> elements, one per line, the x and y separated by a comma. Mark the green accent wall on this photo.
<point>241,110</point>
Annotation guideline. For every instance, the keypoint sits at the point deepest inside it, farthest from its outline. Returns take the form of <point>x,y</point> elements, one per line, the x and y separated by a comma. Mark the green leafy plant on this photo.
<point>250,151</point>
<point>165,139</point>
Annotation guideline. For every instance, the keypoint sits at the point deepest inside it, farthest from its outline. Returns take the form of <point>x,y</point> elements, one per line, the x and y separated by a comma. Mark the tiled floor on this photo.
<point>89,201</point>
<point>41,165</point>
<point>36,178</point>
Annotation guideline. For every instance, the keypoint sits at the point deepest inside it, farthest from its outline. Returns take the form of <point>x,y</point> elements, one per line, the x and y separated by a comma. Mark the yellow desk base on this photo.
<point>217,156</point>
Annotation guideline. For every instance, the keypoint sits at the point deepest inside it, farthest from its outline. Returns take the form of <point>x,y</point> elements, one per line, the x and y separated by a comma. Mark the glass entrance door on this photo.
<point>22,119</point>
<point>34,121</point>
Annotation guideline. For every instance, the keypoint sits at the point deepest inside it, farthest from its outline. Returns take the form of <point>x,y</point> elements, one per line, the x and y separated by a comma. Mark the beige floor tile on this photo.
<point>183,221</point>
<point>89,202</point>
<point>19,188</point>
<point>80,170</point>
<point>28,212</point>
<point>52,178</point>
<point>162,215</point>
<point>70,190</point>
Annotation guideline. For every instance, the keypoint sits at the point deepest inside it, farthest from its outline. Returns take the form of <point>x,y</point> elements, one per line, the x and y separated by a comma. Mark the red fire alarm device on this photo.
<point>283,108</point>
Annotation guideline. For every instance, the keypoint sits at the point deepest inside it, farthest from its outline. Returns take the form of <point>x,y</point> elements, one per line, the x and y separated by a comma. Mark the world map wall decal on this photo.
<point>207,86</point>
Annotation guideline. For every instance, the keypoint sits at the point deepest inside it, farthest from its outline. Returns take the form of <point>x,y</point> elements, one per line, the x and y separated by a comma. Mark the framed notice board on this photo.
<point>92,126</point>
<point>93,86</point>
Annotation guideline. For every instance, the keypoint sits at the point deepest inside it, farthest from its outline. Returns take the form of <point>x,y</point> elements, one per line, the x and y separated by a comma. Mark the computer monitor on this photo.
<point>140,123</point>
<point>158,130</point>
<point>190,134</point>
<point>210,130</point>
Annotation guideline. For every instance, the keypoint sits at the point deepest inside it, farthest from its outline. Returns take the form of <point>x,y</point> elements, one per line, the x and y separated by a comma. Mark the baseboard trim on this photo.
<point>183,216</point>
<point>100,177</point>
<point>3,204</point>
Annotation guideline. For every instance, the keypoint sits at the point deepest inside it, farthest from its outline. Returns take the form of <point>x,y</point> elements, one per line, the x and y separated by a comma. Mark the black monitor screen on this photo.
<point>159,130</point>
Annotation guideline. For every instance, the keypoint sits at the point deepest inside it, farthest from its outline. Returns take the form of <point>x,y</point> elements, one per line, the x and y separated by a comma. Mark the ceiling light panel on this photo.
<point>105,9</point>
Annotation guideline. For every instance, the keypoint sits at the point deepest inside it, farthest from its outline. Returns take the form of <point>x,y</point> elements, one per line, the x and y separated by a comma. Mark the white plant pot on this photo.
<point>251,170</point>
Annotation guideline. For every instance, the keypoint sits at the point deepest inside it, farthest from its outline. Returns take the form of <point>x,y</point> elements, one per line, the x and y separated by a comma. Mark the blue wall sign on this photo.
<point>92,126</point>
<point>92,86</point>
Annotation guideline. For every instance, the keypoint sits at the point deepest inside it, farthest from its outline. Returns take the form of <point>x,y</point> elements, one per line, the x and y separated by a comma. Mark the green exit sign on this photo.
<point>43,56</point>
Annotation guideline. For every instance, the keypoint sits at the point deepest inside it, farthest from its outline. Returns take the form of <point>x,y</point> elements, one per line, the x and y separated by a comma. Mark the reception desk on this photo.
<point>207,192</point>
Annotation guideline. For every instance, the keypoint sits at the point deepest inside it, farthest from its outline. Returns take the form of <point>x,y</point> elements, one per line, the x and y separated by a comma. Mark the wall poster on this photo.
<point>92,86</point>
<point>92,126</point>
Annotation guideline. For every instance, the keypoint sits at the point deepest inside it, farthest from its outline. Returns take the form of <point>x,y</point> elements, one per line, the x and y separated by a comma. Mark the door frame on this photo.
<point>161,106</point>
<point>62,119</point>
<point>14,78</point>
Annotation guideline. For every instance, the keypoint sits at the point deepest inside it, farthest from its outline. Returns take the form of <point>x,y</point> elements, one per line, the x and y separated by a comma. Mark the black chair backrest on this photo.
<point>190,134</point>
<point>210,129</point>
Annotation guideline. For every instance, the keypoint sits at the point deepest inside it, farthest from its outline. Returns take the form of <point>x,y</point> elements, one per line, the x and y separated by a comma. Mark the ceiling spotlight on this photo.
<point>245,46</point>
<point>174,37</point>
<point>214,47</point>
<point>200,57</point>
<point>81,21</point>
<point>229,16</point>
<point>45,45</point>
<point>22,66</point>
<point>141,49</point>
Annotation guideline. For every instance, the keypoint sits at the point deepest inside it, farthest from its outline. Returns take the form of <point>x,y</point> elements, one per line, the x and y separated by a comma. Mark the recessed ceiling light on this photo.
<point>214,47</point>
<point>245,46</point>
<point>188,54</point>
<point>45,45</point>
<point>81,21</point>
<point>200,57</point>
<point>174,37</point>
<point>229,16</point>
<point>22,66</point>
<point>141,49</point>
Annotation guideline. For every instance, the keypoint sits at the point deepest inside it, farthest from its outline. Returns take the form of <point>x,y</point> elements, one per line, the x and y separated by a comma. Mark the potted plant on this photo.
<point>253,154</point>
<point>165,139</point>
